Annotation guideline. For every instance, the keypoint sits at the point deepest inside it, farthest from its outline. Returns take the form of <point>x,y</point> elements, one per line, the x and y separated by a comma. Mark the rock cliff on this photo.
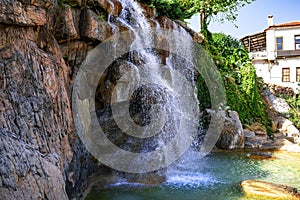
<point>42,45</point>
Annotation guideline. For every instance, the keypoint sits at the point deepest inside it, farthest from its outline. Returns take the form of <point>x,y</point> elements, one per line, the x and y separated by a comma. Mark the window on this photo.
<point>297,42</point>
<point>298,74</point>
<point>285,74</point>
<point>279,43</point>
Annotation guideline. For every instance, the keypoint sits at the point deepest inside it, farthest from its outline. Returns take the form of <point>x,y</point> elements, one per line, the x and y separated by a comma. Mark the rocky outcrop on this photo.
<point>232,135</point>
<point>286,134</point>
<point>286,127</point>
<point>24,14</point>
<point>255,136</point>
<point>43,157</point>
<point>196,37</point>
<point>42,45</point>
<point>276,103</point>
<point>265,189</point>
<point>94,28</point>
<point>280,109</point>
<point>28,174</point>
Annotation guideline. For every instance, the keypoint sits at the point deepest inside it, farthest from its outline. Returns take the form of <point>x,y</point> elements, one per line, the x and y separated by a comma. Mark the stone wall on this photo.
<point>280,90</point>
<point>42,45</point>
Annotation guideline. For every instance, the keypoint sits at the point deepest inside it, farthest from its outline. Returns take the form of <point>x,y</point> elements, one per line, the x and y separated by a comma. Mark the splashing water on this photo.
<point>158,98</point>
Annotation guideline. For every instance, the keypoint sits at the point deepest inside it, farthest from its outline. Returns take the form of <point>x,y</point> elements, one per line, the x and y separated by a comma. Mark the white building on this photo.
<point>275,53</point>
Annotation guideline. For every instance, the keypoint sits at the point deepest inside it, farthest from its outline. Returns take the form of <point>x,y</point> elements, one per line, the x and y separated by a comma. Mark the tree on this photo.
<point>228,9</point>
<point>185,9</point>
<point>170,8</point>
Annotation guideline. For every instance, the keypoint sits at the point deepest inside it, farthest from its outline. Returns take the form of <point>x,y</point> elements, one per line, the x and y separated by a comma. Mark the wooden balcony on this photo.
<point>288,53</point>
<point>255,42</point>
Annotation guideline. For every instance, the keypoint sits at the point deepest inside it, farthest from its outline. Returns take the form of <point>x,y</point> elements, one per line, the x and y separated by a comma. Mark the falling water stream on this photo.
<point>153,108</point>
<point>216,176</point>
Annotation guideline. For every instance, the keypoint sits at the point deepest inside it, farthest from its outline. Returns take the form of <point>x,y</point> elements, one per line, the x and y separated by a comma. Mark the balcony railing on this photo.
<point>288,53</point>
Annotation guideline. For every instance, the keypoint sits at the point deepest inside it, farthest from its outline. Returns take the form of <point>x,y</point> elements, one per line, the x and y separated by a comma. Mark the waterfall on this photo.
<point>153,104</point>
<point>146,99</point>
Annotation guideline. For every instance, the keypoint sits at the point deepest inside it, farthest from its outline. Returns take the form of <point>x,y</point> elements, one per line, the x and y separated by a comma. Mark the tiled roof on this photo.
<point>288,24</point>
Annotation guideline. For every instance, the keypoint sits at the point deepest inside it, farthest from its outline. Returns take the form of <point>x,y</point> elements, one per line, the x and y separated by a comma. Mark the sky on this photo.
<point>253,17</point>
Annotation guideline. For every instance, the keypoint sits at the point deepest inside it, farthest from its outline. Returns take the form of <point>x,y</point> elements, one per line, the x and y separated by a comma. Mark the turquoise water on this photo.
<point>217,176</point>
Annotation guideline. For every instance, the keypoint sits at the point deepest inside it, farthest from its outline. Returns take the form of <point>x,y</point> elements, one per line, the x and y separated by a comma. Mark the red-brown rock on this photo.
<point>93,27</point>
<point>16,13</point>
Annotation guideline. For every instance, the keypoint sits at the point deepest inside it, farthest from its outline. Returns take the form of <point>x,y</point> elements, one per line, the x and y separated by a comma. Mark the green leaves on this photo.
<point>226,10</point>
<point>294,114</point>
<point>208,9</point>
<point>169,8</point>
<point>229,53</point>
<point>239,76</point>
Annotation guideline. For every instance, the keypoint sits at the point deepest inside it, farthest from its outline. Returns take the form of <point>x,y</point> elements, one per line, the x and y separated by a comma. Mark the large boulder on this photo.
<point>255,136</point>
<point>232,135</point>
<point>251,140</point>
<point>286,127</point>
<point>278,104</point>
<point>292,131</point>
<point>269,190</point>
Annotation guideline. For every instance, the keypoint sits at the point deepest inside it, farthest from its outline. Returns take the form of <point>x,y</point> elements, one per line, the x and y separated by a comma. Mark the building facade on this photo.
<point>275,53</point>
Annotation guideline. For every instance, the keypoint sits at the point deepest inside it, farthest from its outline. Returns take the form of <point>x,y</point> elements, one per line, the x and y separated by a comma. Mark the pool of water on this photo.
<point>217,176</point>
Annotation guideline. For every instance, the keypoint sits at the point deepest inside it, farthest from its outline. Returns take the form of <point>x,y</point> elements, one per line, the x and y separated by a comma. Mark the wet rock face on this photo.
<point>232,135</point>
<point>142,100</point>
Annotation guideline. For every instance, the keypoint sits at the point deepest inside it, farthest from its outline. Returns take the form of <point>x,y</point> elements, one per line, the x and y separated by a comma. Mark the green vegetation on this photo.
<point>230,56</point>
<point>219,9</point>
<point>239,76</point>
<point>294,114</point>
<point>169,8</point>
<point>185,9</point>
